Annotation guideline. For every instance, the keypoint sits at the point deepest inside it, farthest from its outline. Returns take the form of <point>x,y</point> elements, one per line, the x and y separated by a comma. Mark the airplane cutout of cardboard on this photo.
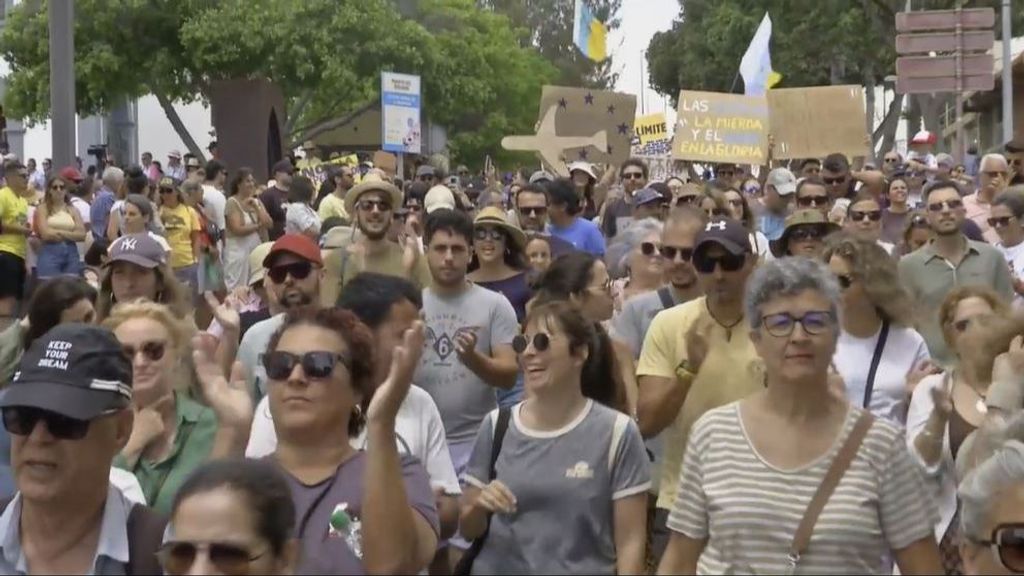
<point>579,124</point>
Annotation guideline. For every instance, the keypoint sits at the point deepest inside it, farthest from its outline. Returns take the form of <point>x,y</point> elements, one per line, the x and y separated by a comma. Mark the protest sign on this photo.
<point>386,161</point>
<point>650,128</point>
<point>579,124</point>
<point>317,170</point>
<point>817,121</point>
<point>716,127</point>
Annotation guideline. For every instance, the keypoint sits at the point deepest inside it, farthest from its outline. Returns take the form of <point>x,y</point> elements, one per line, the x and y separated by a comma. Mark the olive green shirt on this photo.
<point>193,441</point>
<point>930,277</point>
<point>339,269</point>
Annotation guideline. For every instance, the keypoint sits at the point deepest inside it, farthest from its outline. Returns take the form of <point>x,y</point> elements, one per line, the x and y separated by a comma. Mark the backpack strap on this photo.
<point>500,428</point>
<point>666,297</point>
<point>145,535</point>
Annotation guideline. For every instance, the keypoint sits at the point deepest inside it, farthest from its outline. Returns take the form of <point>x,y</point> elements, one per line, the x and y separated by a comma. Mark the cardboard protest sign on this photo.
<point>650,128</point>
<point>817,121</point>
<point>316,169</point>
<point>386,161</point>
<point>715,127</point>
<point>579,124</point>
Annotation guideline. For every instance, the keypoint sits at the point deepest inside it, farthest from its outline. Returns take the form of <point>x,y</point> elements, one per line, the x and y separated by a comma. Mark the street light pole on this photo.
<point>62,82</point>
<point>1007,74</point>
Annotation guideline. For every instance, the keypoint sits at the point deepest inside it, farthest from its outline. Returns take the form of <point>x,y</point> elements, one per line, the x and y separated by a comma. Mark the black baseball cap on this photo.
<point>727,233</point>
<point>284,166</point>
<point>75,370</point>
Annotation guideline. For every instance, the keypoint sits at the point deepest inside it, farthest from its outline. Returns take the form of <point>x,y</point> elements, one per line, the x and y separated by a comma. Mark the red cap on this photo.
<point>296,244</point>
<point>71,173</point>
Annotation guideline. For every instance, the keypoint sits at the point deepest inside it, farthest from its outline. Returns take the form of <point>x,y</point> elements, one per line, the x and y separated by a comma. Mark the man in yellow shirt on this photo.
<point>698,355</point>
<point>333,205</point>
<point>14,232</point>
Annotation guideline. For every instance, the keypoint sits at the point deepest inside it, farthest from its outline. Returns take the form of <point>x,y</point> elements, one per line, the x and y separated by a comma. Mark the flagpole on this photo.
<point>643,82</point>
<point>734,79</point>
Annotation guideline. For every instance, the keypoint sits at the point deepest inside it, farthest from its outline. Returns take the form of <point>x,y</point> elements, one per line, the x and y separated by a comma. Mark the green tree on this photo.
<point>326,55</point>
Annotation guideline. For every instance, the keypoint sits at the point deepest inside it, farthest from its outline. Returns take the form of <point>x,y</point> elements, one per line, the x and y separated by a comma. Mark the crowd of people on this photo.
<point>807,367</point>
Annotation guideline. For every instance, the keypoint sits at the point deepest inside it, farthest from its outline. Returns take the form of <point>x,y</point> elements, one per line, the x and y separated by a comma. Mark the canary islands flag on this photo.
<point>589,33</point>
<point>756,66</point>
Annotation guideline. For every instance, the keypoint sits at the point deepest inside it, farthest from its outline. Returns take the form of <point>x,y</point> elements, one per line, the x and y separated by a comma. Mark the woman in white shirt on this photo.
<point>1006,217</point>
<point>247,223</point>
<point>879,355</point>
<point>946,408</point>
<point>300,218</point>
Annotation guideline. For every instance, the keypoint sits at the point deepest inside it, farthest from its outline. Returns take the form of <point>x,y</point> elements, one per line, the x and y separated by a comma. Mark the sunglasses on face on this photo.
<point>541,342</point>
<point>688,199</point>
<point>813,323</point>
<point>297,270</point>
<point>279,364</point>
<point>808,201</point>
<point>751,190</point>
<point>866,215</point>
<point>57,188</point>
<point>177,557</point>
<point>22,420</point>
<point>669,252</point>
<point>805,233</point>
<point>834,181</point>
<point>492,234</point>
<point>534,211</point>
<point>152,351</point>
<point>999,222</point>
<point>845,281</point>
<point>1007,544</point>
<point>650,249</point>
<point>632,175</point>
<point>728,262</point>
<point>371,205</point>
<point>945,205</point>
<point>890,160</point>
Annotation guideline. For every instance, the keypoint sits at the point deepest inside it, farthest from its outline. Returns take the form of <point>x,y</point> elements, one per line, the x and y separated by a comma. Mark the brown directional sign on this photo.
<point>944,84</point>
<point>974,41</point>
<point>940,66</point>
<point>944,19</point>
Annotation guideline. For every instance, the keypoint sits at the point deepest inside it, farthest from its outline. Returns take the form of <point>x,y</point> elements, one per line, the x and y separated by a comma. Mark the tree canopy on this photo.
<point>480,78</point>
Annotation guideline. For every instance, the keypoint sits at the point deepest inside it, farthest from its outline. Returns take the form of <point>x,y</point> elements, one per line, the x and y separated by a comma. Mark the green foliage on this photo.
<point>478,78</point>
<point>813,41</point>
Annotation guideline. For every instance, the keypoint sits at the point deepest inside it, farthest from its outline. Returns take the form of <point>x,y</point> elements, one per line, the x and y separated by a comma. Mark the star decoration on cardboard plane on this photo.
<point>579,124</point>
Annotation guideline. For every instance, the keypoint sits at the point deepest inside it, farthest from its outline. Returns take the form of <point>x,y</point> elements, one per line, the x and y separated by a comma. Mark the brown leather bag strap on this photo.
<point>835,473</point>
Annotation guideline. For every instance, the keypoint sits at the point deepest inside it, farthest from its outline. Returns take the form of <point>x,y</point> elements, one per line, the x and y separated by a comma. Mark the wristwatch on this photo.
<point>685,369</point>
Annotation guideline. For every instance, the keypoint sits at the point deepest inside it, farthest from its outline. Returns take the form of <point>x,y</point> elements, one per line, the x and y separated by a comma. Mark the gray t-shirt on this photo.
<point>327,551</point>
<point>250,353</point>
<point>462,397</point>
<point>631,323</point>
<point>565,483</point>
<point>617,217</point>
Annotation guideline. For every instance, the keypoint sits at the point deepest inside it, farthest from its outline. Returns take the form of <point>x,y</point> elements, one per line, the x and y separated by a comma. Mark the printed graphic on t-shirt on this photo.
<point>443,345</point>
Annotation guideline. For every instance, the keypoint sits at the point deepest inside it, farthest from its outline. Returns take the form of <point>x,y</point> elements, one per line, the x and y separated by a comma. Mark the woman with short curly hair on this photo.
<point>879,352</point>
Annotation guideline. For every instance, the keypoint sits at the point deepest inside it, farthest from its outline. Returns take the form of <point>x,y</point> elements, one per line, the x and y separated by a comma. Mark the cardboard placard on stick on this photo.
<point>716,127</point>
<point>579,124</point>
<point>386,161</point>
<point>650,128</point>
<point>817,121</point>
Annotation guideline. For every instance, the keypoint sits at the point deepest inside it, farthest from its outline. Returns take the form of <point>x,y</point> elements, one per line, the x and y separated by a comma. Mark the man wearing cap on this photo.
<point>175,169</point>
<point>372,203</point>
<point>619,212</point>
<point>804,234</point>
<point>427,174</point>
<point>439,197</point>
<point>275,197</point>
<point>779,188</point>
<point>649,203</point>
<point>14,232</point>
<point>68,410</point>
<point>192,169</point>
<point>542,177</point>
<point>294,275</point>
<point>698,356</point>
<point>993,176</point>
<point>564,214</point>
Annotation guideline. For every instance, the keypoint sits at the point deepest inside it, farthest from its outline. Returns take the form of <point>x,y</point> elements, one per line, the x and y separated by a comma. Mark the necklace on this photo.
<point>727,327</point>
<point>980,405</point>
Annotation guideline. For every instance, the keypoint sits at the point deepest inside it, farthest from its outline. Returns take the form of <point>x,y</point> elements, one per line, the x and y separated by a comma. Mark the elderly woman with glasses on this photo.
<point>879,355</point>
<point>635,260</point>
<point>946,408</point>
<point>752,467</point>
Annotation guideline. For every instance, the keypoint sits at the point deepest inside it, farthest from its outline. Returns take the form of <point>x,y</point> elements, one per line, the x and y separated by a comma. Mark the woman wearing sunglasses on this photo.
<point>992,516</point>
<point>635,261</point>
<point>864,220</point>
<point>355,512</point>
<point>498,262</point>
<point>879,354</point>
<point>752,467</point>
<point>59,226</point>
<point>173,434</point>
<point>946,408</point>
<point>231,517</point>
<point>897,210</point>
<point>567,492</point>
<point>1006,216</point>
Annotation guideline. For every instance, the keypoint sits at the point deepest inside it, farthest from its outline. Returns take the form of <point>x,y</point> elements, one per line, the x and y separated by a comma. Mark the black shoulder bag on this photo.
<point>465,565</point>
<point>876,359</point>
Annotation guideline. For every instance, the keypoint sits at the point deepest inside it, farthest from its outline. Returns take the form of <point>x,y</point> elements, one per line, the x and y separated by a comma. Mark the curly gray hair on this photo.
<point>999,470</point>
<point>787,277</point>
<point>626,242</point>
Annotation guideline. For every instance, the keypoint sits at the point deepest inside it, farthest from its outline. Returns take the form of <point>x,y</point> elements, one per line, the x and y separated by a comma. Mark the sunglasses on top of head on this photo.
<point>297,270</point>
<point>319,364</point>
<point>178,556</point>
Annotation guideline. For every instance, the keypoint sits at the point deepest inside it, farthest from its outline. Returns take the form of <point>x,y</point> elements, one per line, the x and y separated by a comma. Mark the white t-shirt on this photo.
<point>1015,258</point>
<point>759,244</point>
<point>300,217</point>
<point>887,247</point>
<point>904,350</point>
<point>215,202</point>
<point>418,431</point>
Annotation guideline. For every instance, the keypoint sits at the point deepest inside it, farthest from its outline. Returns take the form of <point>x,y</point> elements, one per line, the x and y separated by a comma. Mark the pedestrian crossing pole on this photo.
<point>62,82</point>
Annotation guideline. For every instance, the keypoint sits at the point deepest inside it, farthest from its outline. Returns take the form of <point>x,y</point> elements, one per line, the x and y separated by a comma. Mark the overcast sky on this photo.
<point>641,19</point>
